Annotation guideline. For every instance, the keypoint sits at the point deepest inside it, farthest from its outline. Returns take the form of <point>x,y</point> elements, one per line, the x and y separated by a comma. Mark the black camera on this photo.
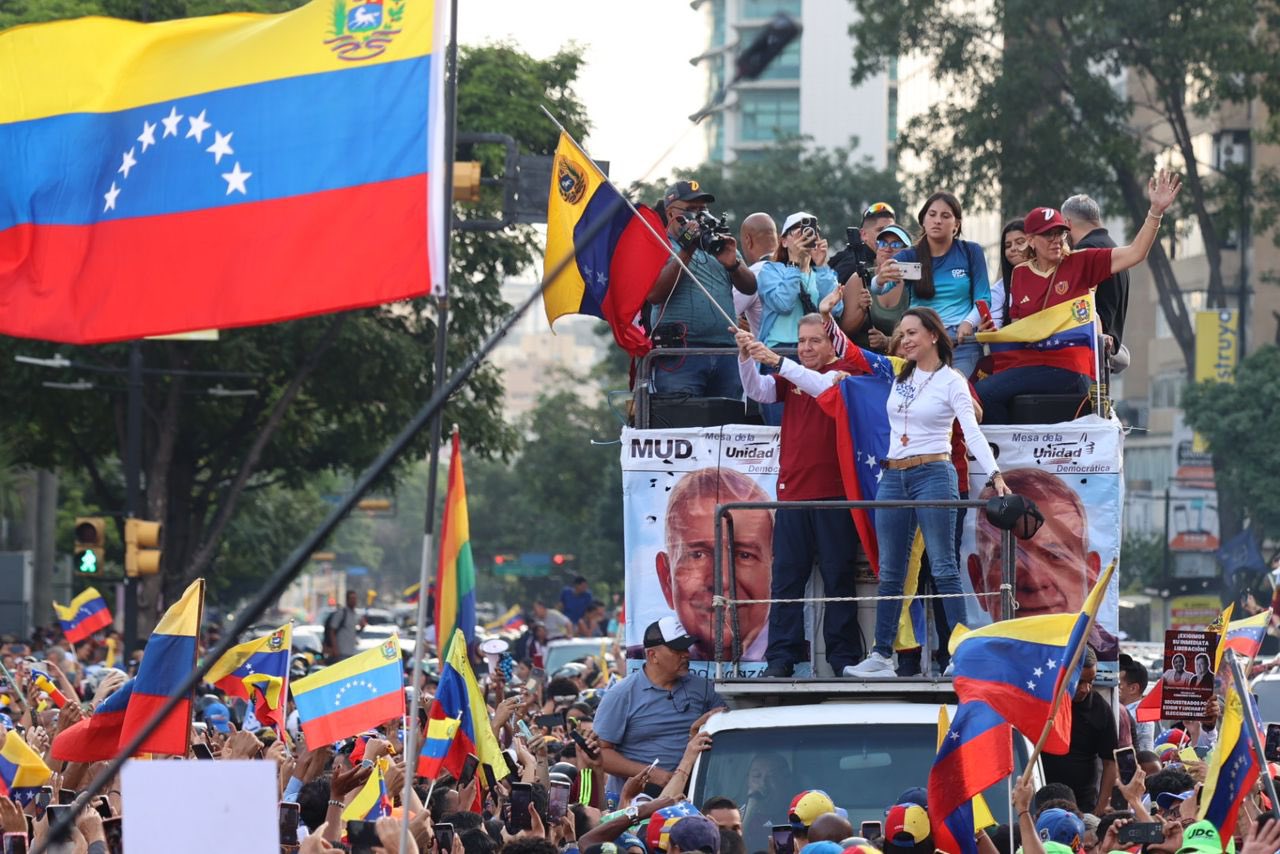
<point>854,258</point>
<point>712,232</point>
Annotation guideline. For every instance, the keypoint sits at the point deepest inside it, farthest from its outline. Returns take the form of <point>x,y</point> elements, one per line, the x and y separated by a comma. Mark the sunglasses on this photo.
<point>879,208</point>
<point>890,244</point>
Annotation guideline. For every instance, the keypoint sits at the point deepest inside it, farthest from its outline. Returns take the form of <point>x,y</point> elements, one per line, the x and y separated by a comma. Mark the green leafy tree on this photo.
<point>1040,116</point>
<point>833,184</point>
<point>223,473</point>
<point>1238,420</point>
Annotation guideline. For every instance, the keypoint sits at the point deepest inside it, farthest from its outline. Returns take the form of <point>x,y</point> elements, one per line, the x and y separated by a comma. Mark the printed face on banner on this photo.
<point>1073,474</point>
<point>672,482</point>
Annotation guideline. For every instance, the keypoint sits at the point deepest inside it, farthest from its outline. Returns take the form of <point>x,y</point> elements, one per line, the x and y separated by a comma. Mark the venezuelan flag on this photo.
<point>1233,768</point>
<point>354,695</point>
<point>513,618</point>
<point>1061,336</point>
<point>372,802</point>
<point>1018,666</point>
<point>86,614</point>
<point>1244,636</point>
<point>258,669</point>
<point>459,698</point>
<point>278,166</point>
<point>455,570</point>
<point>974,752</point>
<point>97,738</point>
<point>20,766</point>
<point>435,747</point>
<point>170,655</point>
<point>611,274</point>
<point>412,593</point>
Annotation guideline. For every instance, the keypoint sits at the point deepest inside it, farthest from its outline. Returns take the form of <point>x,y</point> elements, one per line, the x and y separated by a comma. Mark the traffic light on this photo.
<point>561,560</point>
<point>91,543</point>
<point>504,559</point>
<point>141,552</point>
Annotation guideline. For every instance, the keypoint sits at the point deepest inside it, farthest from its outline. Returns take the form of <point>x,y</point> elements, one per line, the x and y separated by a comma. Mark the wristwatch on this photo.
<point>632,813</point>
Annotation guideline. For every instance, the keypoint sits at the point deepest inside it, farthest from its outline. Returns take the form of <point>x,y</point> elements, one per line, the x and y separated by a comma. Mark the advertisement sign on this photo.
<point>1217,350</point>
<point>673,479</point>
<point>1193,612</point>
<point>1074,473</point>
<point>1188,675</point>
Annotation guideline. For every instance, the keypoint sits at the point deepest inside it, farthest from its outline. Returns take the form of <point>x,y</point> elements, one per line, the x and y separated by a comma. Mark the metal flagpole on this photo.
<point>428,567</point>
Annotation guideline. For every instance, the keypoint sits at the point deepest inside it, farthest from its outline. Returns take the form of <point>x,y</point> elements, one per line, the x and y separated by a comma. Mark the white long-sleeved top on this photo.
<point>936,400</point>
<point>761,388</point>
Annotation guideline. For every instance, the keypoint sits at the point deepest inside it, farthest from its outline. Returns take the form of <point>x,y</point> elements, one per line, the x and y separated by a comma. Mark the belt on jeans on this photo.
<point>912,462</point>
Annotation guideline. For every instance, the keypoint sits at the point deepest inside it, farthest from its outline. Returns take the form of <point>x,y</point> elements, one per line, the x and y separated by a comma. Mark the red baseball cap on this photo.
<point>1041,220</point>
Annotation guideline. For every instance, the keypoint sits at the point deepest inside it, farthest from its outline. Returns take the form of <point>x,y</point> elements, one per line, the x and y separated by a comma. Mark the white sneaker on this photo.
<point>875,666</point>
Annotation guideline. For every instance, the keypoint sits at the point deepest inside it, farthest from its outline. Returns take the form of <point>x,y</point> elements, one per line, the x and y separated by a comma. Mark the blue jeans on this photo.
<point>895,532</point>
<point>799,536</point>
<point>964,358</point>
<point>698,376</point>
<point>998,390</point>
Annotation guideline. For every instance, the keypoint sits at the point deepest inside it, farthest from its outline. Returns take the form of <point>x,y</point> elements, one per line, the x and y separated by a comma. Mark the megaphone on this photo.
<point>493,649</point>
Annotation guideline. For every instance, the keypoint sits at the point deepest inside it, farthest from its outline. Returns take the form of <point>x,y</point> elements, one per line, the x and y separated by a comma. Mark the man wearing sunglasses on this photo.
<point>683,312</point>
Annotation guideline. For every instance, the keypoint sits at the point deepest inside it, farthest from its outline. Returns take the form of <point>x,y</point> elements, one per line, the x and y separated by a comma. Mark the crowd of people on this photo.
<point>594,765</point>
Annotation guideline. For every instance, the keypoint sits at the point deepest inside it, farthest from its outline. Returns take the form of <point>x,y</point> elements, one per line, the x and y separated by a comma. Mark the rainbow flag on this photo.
<point>279,166</point>
<point>611,274</point>
<point>170,655</point>
<point>347,698</point>
<point>86,614</point>
<point>455,570</point>
<point>1061,336</point>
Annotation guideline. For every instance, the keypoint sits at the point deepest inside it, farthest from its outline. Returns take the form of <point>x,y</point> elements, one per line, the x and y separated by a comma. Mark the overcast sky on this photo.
<point>638,85</point>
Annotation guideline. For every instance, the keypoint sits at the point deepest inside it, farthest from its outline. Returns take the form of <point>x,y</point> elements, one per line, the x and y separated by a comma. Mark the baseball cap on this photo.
<point>915,795</point>
<point>695,833</point>
<point>825,847</point>
<point>808,805</point>
<point>1058,825</point>
<point>217,716</point>
<point>879,209</point>
<point>602,848</point>
<point>1170,800</point>
<point>1057,848</point>
<point>1040,220</point>
<point>661,822</point>
<point>629,840</point>
<point>686,191</point>
<point>795,219</point>
<point>906,826</point>
<point>667,632</point>
<point>895,231</point>
<point>1201,837</point>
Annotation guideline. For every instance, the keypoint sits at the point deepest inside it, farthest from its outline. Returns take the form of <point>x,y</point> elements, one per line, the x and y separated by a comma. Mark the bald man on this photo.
<point>830,827</point>
<point>758,239</point>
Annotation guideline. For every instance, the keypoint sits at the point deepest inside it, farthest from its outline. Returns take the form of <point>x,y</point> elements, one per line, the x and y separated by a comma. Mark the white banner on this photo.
<point>674,478</point>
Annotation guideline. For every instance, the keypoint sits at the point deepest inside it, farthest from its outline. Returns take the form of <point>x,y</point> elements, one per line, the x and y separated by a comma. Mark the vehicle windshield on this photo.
<point>863,767</point>
<point>559,656</point>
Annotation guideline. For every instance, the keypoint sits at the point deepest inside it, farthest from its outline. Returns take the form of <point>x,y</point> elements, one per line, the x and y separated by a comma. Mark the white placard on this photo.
<point>192,807</point>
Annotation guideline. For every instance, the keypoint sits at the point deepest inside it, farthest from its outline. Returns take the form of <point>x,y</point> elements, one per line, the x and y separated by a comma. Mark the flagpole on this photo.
<point>1060,690</point>
<point>411,745</point>
<point>661,238</point>
<point>1013,763</point>
<point>1251,724</point>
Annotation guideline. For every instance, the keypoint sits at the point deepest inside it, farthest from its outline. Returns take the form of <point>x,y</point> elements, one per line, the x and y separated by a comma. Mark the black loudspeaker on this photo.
<point>681,410</point>
<point>1048,408</point>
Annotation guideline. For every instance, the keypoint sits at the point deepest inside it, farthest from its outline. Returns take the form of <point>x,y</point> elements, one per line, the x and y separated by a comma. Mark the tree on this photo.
<point>1041,118</point>
<point>1237,419</point>
<point>330,390</point>
<point>832,184</point>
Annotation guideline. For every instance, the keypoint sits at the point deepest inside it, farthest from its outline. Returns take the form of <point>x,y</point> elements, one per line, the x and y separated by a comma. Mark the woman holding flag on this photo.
<point>1053,275</point>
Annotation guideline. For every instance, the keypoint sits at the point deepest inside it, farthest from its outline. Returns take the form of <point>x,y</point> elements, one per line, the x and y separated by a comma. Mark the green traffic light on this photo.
<point>88,562</point>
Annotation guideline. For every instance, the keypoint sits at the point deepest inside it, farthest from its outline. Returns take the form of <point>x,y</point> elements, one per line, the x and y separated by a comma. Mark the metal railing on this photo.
<point>725,512</point>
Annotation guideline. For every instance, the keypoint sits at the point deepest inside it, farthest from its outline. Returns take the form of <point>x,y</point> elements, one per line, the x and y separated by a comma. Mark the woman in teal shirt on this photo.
<point>953,277</point>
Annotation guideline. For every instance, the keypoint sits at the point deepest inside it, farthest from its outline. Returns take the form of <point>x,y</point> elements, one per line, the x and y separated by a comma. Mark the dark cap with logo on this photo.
<point>667,632</point>
<point>686,191</point>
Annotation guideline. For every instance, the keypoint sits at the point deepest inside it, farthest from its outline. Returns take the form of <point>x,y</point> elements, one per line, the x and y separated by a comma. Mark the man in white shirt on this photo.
<point>758,239</point>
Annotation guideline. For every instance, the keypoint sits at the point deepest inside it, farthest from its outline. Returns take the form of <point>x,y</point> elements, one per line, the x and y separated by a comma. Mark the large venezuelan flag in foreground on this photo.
<point>455,570</point>
<point>1060,336</point>
<point>217,172</point>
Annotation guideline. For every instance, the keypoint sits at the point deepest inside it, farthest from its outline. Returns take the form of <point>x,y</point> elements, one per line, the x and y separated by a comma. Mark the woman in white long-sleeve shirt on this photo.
<point>926,395</point>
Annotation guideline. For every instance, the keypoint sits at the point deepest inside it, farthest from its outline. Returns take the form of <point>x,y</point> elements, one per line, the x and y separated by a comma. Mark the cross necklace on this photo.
<point>905,406</point>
